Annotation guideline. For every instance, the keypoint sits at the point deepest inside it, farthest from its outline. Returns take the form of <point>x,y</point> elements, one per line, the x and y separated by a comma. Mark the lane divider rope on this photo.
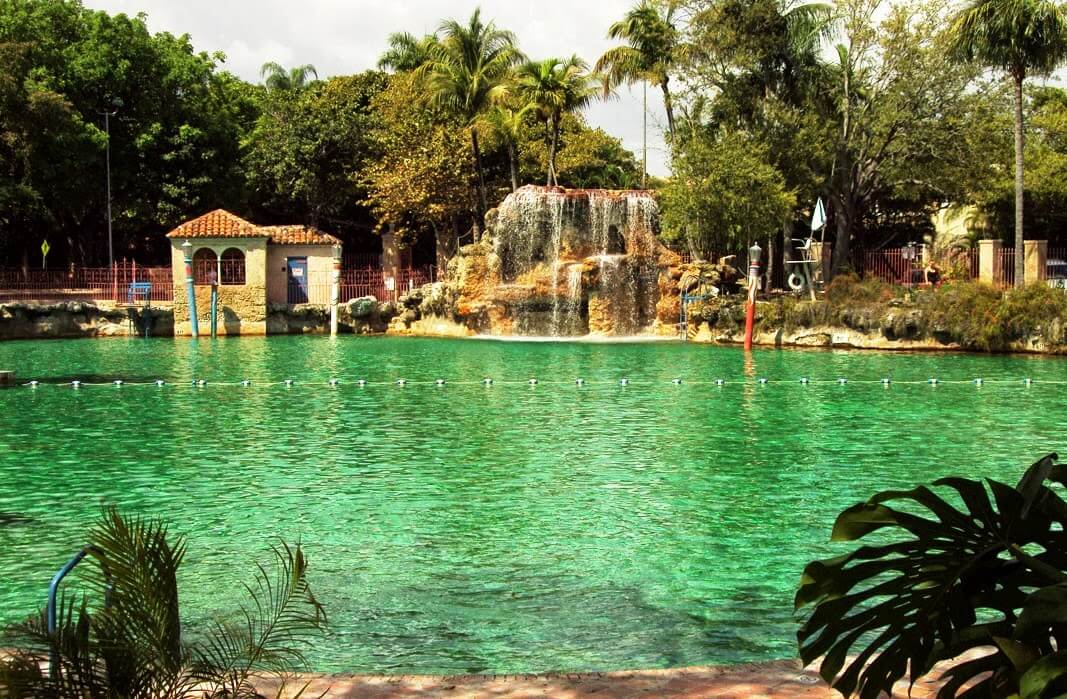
<point>533,381</point>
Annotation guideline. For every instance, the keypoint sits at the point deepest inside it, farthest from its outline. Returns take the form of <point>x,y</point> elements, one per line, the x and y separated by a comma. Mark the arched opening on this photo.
<point>233,267</point>
<point>616,242</point>
<point>205,266</point>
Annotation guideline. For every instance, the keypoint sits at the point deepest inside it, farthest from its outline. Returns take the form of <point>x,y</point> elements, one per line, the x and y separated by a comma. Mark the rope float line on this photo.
<point>578,382</point>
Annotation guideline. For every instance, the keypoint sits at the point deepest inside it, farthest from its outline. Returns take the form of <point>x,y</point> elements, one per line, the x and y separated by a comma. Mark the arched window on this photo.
<point>205,266</point>
<point>233,267</point>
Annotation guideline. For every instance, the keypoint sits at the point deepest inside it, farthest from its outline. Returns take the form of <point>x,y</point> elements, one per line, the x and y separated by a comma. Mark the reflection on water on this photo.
<point>503,528</point>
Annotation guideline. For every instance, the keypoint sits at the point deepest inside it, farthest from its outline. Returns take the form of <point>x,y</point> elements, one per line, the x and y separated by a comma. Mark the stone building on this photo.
<point>254,266</point>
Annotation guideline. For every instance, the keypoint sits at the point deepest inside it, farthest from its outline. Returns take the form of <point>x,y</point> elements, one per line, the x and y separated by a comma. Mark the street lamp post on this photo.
<point>107,157</point>
<point>753,281</point>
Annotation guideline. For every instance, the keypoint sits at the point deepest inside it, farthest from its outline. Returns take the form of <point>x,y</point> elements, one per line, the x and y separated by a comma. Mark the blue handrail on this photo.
<point>53,588</point>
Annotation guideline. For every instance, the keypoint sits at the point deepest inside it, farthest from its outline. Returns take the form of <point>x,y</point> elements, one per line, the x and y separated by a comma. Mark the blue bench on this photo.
<point>138,290</point>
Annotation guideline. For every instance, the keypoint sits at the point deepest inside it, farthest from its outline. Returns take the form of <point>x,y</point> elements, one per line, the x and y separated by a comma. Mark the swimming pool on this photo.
<point>503,528</point>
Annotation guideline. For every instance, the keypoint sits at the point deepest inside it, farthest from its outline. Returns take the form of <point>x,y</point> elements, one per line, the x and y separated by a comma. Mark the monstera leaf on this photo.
<point>980,567</point>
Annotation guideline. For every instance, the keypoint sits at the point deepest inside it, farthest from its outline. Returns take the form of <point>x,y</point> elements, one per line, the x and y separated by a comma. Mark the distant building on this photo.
<point>255,266</point>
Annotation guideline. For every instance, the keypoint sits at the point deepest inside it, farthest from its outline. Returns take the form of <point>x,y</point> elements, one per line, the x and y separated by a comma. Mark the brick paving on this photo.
<point>779,679</point>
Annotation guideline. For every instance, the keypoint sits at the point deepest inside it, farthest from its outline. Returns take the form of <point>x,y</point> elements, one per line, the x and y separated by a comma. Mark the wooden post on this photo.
<point>7,378</point>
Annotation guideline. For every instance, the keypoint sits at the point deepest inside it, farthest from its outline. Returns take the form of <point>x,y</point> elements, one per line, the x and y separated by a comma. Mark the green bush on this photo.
<point>980,316</point>
<point>850,289</point>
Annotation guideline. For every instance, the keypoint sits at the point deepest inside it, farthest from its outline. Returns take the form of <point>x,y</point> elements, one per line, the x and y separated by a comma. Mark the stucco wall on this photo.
<point>320,266</point>
<point>242,309</point>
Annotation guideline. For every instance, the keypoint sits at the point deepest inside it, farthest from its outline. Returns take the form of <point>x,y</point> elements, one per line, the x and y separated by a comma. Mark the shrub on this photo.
<point>980,316</point>
<point>846,289</point>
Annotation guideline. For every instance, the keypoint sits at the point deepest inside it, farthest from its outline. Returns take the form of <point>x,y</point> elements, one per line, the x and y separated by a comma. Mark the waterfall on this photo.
<point>545,237</point>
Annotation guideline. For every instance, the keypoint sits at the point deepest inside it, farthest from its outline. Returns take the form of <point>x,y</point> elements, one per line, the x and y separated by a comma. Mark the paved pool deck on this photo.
<point>777,679</point>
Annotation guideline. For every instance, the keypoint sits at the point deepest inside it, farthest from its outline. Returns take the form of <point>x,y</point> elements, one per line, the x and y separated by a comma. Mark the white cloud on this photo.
<point>340,37</point>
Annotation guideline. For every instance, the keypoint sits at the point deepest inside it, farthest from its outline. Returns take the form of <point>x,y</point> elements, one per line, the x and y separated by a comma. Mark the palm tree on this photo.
<point>406,52</point>
<point>555,86</point>
<point>275,77</point>
<point>464,68</point>
<point>509,124</point>
<point>652,47</point>
<point>1020,37</point>
<point>133,645</point>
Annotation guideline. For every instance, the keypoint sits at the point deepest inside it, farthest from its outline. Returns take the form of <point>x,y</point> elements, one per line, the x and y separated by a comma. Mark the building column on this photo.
<point>1035,256</point>
<point>988,261</point>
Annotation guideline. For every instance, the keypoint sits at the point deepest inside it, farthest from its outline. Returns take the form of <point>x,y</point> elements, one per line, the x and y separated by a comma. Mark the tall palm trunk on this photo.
<point>513,161</point>
<point>1020,261</point>
<point>552,145</point>
<point>668,106</point>
<point>480,204</point>
<point>476,225</point>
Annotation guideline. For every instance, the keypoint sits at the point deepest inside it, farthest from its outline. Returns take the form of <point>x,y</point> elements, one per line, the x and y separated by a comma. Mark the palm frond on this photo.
<point>272,630</point>
<point>1018,36</point>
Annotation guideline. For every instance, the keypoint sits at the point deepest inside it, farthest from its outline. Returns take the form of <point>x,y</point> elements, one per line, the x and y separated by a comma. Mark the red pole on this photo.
<point>753,281</point>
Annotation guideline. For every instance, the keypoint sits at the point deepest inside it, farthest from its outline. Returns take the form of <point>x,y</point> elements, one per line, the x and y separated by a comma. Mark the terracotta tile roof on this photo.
<point>298,235</point>
<point>217,224</point>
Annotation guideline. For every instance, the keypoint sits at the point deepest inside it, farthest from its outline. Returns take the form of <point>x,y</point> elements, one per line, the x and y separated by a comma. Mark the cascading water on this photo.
<point>573,262</point>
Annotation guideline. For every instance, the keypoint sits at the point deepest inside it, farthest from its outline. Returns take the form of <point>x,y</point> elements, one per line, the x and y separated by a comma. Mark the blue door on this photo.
<point>298,279</point>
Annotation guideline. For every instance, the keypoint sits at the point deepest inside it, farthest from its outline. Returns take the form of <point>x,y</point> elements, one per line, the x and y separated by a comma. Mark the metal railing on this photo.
<point>125,282</point>
<point>905,267</point>
<point>1004,269</point>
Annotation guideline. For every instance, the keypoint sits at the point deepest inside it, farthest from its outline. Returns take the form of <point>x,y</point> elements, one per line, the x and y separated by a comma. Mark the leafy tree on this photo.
<point>306,154</point>
<point>1045,157</point>
<point>417,179</point>
<point>275,77</point>
<point>651,50</point>
<point>723,195</point>
<point>466,66</point>
<point>586,158</point>
<point>554,87</point>
<point>41,136</point>
<point>754,64</point>
<point>1020,37</point>
<point>893,86</point>
<point>174,142</point>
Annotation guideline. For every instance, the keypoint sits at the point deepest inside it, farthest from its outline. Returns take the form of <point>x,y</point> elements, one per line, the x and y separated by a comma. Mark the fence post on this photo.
<point>989,261</point>
<point>1036,256</point>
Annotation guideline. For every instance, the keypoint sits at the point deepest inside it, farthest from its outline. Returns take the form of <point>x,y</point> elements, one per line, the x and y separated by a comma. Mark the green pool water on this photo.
<point>509,528</point>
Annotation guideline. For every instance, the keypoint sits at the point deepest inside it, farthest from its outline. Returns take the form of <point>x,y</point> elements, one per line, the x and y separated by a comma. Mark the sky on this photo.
<point>342,37</point>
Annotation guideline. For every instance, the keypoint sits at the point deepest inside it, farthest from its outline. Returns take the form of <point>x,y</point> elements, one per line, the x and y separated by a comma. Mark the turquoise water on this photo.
<point>509,528</point>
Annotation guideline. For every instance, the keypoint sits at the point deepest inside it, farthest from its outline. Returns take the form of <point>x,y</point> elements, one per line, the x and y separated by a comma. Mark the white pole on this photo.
<point>644,132</point>
<point>335,288</point>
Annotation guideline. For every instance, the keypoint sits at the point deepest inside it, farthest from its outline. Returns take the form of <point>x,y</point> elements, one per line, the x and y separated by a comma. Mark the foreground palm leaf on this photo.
<point>129,642</point>
<point>943,581</point>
